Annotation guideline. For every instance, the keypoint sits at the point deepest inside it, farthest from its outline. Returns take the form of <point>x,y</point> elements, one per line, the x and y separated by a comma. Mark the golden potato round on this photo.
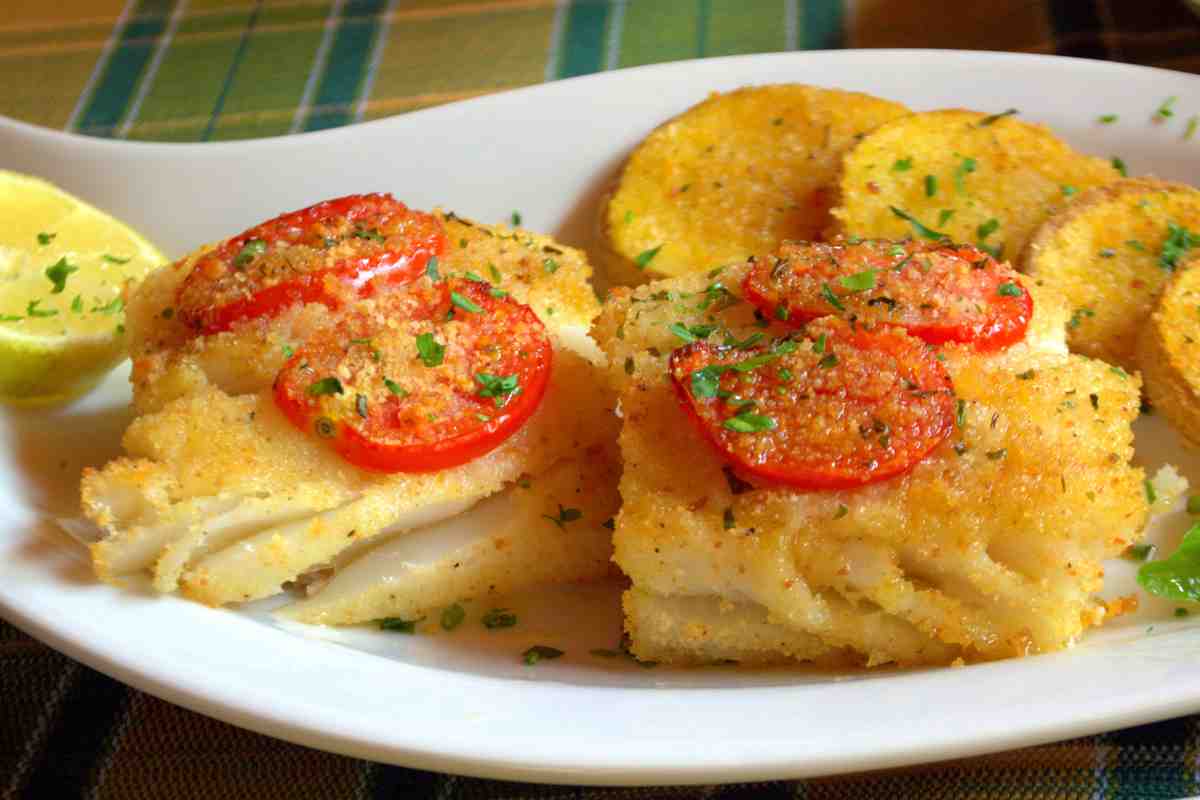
<point>1109,252</point>
<point>733,176</point>
<point>1169,352</point>
<point>977,178</point>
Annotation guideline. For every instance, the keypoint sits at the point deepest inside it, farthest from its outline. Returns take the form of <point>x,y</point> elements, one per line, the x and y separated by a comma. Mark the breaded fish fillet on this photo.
<point>222,498</point>
<point>990,547</point>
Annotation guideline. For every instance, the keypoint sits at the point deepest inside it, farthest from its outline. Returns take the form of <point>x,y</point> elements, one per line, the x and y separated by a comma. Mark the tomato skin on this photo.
<point>232,283</point>
<point>817,442</point>
<point>390,438</point>
<point>960,284</point>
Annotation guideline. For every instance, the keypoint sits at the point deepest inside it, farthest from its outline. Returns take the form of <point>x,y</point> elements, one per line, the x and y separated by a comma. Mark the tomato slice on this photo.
<point>422,378</point>
<point>938,292</point>
<point>841,407</point>
<point>329,253</point>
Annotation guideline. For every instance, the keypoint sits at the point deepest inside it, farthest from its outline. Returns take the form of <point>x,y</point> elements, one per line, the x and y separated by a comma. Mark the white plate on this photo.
<point>464,703</point>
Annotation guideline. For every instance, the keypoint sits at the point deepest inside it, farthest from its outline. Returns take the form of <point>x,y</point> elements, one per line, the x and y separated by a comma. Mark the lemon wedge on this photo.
<point>63,266</point>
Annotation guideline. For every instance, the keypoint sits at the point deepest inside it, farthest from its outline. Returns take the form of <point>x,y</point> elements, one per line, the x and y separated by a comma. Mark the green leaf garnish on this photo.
<point>1178,575</point>
<point>860,281</point>
<point>395,388</point>
<point>902,164</point>
<point>32,310</point>
<point>749,423</point>
<point>706,382</point>
<point>930,186</point>
<point>646,256</point>
<point>1009,289</point>
<point>250,250</point>
<point>431,269</point>
<point>58,273</point>
<point>431,351</point>
<point>45,238</point>
<point>330,385</point>
<point>465,303</point>
<point>499,387</point>
<point>1179,240</point>
<point>920,229</point>
<point>1119,165</point>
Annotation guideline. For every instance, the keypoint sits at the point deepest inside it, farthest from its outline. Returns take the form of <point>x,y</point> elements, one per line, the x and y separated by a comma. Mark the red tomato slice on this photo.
<point>329,253</point>
<point>840,408</point>
<point>938,292</point>
<point>426,377</point>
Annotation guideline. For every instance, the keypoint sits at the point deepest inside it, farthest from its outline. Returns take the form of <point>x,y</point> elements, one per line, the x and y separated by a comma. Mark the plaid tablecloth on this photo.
<point>192,70</point>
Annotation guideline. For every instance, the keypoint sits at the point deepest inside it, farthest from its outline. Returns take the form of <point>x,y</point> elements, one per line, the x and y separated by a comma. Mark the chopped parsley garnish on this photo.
<point>431,351</point>
<point>1181,612</point>
<point>749,423</point>
<point>550,265</point>
<point>11,318</point>
<point>465,303</point>
<point>819,344</point>
<point>452,616</point>
<point>988,120</point>
<point>965,168</point>
<point>250,250</point>
<point>538,653</point>
<point>395,388</point>
<point>371,234</point>
<point>114,306</point>
<point>399,625</point>
<point>743,344</point>
<point>499,387</point>
<point>431,269</point>
<point>930,185</point>
<point>1178,575</point>
<point>1108,119</point>
<point>499,618</point>
<point>1119,165</point>
<point>32,310</point>
<point>516,218</point>
<point>646,256</point>
<point>828,362</point>
<point>1139,552</point>
<point>1068,191</point>
<point>706,382</point>
<point>1179,240</point>
<point>920,229</point>
<point>782,313</point>
<point>727,520</point>
<point>1009,289</point>
<point>1190,131</point>
<point>1136,245</point>
<point>77,306</point>
<point>691,333</point>
<point>944,215</point>
<point>841,511</point>
<point>330,385</point>
<point>58,273</point>
<point>565,515</point>
<point>902,164</point>
<point>987,229</point>
<point>45,238</point>
<point>1151,495</point>
<point>960,413</point>
<point>831,298</point>
<point>860,281</point>
<point>1166,109</point>
<point>288,352</point>
<point>495,273</point>
<point>1119,372</point>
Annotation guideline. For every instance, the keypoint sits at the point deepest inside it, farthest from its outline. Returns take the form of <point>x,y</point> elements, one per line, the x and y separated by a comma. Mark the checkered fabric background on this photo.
<point>196,70</point>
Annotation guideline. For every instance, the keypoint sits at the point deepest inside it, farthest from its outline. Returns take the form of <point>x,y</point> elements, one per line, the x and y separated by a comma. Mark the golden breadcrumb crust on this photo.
<point>1168,351</point>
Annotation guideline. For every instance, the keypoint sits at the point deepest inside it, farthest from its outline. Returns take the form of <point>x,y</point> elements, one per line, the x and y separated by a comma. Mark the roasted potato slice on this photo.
<point>977,178</point>
<point>1109,252</point>
<point>1169,351</point>
<point>733,176</point>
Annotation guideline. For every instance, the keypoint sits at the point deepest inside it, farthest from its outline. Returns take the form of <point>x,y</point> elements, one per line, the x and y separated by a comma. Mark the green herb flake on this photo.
<point>1119,165</point>
<point>1120,373</point>
<point>250,250</point>
<point>539,652</point>
<point>32,310</point>
<point>1179,240</point>
<point>819,345</point>
<point>1181,612</point>
<point>1166,109</point>
<point>1190,131</point>
<point>1136,245</point>
<point>860,281</point>
<point>988,120</point>
<point>1108,119</point>
<point>944,215</point>
<point>431,269</point>
<point>1139,552</point>
<point>706,382</point>
<point>565,515</point>
<point>828,362</point>
<point>330,385</point>
<point>996,455</point>
<point>399,625</point>
<point>395,388</point>
<point>1026,375</point>
<point>1193,504</point>
<point>430,350</point>
<point>1078,316</point>
<point>58,273</point>
<point>360,405</point>
<point>516,218</point>
<point>45,238</point>
<point>1151,495</point>
<point>960,414</point>
<point>831,298</point>
<point>373,235</point>
<point>920,229</point>
<point>499,618</point>
<point>987,229</point>
<point>499,387</point>
<point>550,265</point>
<point>646,256</point>
<point>465,303</point>
<point>727,520</point>
<point>902,164</point>
<point>1009,289</point>
<point>965,168</point>
<point>117,259</point>
<point>1068,191</point>
<point>931,186</point>
<point>749,423</point>
<point>452,616</point>
<point>841,511</point>
<point>77,304</point>
<point>288,352</point>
